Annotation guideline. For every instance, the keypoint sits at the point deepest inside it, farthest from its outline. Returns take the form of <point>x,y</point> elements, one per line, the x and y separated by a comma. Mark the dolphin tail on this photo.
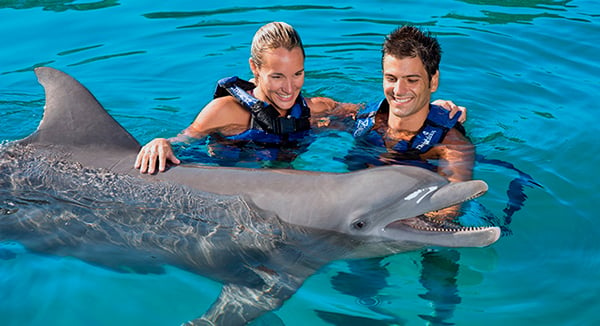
<point>74,118</point>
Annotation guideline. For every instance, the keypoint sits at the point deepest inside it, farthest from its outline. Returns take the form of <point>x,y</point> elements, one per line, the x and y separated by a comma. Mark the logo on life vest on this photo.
<point>428,136</point>
<point>361,126</point>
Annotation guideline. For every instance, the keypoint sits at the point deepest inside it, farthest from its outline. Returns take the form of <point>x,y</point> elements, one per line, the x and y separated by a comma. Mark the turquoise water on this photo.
<point>527,71</point>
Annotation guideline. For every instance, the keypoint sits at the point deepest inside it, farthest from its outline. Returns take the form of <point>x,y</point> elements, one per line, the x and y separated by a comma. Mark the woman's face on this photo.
<point>280,78</point>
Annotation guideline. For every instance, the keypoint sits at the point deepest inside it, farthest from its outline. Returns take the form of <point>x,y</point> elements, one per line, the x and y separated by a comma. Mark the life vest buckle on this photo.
<point>285,125</point>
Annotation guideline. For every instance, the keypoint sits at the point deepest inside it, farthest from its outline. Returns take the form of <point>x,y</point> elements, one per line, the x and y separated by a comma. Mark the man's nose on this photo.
<point>399,87</point>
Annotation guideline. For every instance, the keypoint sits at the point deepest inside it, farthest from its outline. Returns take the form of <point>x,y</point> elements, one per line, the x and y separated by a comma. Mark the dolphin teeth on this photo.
<point>449,230</point>
<point>430,224</point>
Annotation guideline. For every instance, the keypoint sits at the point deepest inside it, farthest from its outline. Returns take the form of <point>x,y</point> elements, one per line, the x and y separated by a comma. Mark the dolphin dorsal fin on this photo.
<point>73,116</point>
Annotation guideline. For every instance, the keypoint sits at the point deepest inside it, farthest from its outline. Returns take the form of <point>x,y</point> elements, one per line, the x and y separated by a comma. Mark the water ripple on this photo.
<point>236,10</point>
<point>59,6</point>
<point>106,57</point>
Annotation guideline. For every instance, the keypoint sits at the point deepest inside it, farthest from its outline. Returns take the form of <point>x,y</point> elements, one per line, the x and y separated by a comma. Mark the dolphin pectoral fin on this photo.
<point>239,304</point>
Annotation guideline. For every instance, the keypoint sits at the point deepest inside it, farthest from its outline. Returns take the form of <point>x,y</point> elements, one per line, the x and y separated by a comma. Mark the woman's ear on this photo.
<point>253,67</point>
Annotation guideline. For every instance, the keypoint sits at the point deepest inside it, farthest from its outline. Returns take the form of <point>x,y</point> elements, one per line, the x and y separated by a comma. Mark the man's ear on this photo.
<point>435,81</point>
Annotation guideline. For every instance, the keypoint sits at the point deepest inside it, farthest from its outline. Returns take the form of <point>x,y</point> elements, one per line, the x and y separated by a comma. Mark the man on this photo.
<point>404,128</point>
<point>404,122</point>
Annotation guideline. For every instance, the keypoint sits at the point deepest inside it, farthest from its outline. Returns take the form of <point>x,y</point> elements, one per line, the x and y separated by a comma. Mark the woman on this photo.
<point>277,63</point>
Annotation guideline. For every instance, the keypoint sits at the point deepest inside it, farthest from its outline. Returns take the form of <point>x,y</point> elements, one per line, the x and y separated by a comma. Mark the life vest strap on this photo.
<point>263,114</point>
<point>432,132</point>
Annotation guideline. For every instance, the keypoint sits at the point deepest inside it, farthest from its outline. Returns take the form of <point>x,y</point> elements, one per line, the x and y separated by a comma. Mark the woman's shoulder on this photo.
<point>224,107</point>
<point>222,112</point>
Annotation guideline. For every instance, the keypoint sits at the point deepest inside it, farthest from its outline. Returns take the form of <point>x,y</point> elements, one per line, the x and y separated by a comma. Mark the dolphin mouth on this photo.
<point>457,193</point>
<point>442,232</point>
<point>424,223</point>
<point>427,223</point>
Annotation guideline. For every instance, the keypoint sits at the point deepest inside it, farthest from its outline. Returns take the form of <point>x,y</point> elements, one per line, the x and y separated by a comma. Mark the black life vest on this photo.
<point>266,125</point>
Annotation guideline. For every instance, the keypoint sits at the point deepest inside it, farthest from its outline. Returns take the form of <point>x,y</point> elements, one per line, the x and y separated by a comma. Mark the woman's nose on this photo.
<point>287,85</point>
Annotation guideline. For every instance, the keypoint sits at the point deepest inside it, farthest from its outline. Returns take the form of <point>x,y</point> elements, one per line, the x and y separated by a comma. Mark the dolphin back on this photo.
<point>73,117</point>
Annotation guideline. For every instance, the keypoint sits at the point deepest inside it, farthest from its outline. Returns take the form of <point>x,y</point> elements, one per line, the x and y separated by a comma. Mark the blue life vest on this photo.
<point>266,126</point>
<point>435,128</point>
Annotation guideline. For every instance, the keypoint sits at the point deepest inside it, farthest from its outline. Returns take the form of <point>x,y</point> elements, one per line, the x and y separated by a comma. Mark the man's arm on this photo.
<point>457,157</point>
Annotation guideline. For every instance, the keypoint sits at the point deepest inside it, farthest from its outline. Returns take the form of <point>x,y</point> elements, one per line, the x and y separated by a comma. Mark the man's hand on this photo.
<point>157,151</point>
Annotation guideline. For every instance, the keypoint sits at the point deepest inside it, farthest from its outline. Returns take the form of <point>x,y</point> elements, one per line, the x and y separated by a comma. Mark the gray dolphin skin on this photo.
<point>70,189</point>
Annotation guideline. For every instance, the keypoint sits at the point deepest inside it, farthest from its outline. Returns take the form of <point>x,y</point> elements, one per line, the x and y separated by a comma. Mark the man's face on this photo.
<point>406,85</point>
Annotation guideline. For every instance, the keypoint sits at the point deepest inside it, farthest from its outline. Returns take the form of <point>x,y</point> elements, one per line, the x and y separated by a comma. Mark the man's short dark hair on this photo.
<point>411,42</point>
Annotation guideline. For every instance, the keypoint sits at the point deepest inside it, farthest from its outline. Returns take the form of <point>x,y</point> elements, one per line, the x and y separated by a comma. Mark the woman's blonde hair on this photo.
<point>273,36</point>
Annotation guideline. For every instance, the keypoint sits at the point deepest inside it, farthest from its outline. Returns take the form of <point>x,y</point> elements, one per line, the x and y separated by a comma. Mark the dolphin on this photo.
<point>70,188</point>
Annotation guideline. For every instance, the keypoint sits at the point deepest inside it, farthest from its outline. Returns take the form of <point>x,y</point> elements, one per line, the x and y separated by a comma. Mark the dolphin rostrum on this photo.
<point>70,189</point>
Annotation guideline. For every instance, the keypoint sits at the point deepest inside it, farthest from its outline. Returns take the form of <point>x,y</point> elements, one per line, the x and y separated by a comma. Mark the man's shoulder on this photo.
<point>456,135</point>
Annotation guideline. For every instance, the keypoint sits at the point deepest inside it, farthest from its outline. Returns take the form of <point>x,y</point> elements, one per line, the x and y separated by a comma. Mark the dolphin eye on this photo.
<point>359,225</point>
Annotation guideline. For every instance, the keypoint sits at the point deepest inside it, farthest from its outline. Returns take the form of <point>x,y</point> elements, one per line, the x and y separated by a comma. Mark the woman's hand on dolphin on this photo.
<point>159,150</point>
<point>453,108</point>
